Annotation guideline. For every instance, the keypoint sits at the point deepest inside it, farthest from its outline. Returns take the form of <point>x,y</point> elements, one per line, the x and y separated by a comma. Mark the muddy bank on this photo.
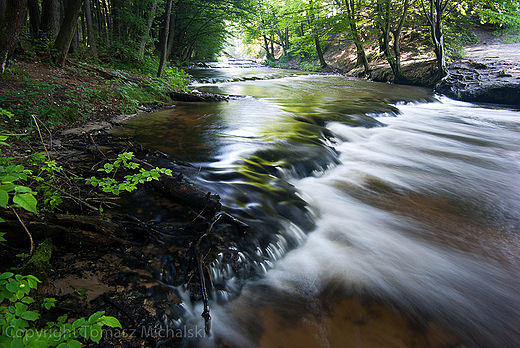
<point>122,260</point>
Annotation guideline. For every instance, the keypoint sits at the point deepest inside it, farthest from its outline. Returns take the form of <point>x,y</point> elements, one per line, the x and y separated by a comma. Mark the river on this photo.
<point>380,215</point>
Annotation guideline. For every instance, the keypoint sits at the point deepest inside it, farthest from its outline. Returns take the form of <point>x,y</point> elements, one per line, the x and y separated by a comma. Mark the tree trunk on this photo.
<point>268,54</point>
<point>34,18</point>
<point>354,33</point>
<point>164,40</point>
<point>146,33</point>
<point>2,8</point>
<point>50,21</point>
<point>323,63</point>
<point>11,24</point>
<point>316,37</point>
<point>91,35</point>
<point>113,13</point>
<point>392,55</point>
<point>67,31</point>
<point>434,17</point>
<point>442,70</point>
<point>171,34</point>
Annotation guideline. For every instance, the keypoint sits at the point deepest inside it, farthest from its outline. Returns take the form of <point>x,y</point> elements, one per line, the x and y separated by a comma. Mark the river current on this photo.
<point>380,215</point>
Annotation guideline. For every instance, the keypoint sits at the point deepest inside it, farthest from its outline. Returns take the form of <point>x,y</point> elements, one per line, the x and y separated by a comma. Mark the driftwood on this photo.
<point>180,191</point>
<point>104,73</point>
<point>63,229</point>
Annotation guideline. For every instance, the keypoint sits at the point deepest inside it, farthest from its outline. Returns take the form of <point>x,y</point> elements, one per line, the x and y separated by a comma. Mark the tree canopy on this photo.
<point>138,32</point>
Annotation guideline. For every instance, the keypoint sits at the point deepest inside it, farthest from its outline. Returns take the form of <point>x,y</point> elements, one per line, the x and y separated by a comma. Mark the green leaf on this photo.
<point>6,275</point>
<point>111,321</point>
<point>16,343</point>
<point>74,344</point>
<point>20,308</point>
<point>9,179</point>
<point>22,189</point>
<point>7,187</point>
<point>26,201</point>
<point>28,300</point>
<point>30,315</point>
<point>4,198</point>
<point>96,333</point>
<point>95,317</point>
<point>37,344</point>
<point>48,303</point>
<point>78,323</point>
<point>12,286</point>
<point>32,281</point>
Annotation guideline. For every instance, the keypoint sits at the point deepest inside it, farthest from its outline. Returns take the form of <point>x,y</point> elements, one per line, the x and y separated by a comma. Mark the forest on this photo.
<point>145,34</point>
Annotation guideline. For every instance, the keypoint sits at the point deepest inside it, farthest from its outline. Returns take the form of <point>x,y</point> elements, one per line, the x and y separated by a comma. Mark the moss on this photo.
<point>39,261</point>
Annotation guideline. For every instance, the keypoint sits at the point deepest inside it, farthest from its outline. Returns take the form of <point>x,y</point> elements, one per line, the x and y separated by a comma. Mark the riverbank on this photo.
<point>107,252</point>
<point>488,73</point>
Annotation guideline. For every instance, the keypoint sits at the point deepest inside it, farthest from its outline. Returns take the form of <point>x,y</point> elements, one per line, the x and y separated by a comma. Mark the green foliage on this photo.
<point>39,99</point>
<point>130,181</point>
<point>12,192</point>
<point>501,13</point>
<point>21,187</point>
<point>309,66</point>
<point>150,90</point>
<point>19,313</point>
<point>40,260</point>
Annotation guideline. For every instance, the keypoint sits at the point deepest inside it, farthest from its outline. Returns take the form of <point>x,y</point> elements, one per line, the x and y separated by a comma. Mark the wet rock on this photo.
<point>497,82</point>
<point>196,96</point>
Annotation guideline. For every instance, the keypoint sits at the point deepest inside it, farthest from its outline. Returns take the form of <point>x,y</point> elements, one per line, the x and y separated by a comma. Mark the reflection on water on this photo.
<point>379,217</point>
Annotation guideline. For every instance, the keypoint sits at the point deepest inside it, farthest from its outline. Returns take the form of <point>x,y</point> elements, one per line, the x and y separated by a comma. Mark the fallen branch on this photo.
<point>26,230</point>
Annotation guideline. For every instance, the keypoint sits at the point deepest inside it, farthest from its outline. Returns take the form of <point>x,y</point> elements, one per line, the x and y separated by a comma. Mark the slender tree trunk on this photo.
<point>268,54</point>
<point>323,63</point>
<point>171,34</point>
<point>316,37</point>
<point>146,33</point>
<point>385,34</point>
<point>67,31</point>
<point>91,34</point>
<point>2,8</point>
<point>164,41</point>
<point>11,24</point>
<point>50,22</point>
<point>34,18</point>
<point>109,25</point>
<point>113,12</point>
<point>354,33</point>
<point>438,36</point>
<point>434,16</point>
<point>392,54</point>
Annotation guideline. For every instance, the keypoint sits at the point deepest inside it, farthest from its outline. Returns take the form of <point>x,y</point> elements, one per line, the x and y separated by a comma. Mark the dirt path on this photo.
<point>493,50</point>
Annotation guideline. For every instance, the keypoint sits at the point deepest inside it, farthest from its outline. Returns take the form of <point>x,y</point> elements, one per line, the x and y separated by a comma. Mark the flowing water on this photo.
<point>380,215</point>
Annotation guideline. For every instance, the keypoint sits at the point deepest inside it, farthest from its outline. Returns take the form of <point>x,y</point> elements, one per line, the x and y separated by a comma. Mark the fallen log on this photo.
<point>63,229</point>
<point>178,190</point>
